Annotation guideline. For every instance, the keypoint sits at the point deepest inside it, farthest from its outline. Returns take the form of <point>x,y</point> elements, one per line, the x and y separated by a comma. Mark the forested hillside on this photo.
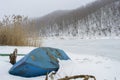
<point>100,18</point>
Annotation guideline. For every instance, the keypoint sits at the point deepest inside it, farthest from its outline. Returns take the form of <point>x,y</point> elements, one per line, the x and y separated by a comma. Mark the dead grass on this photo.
<point>14,33</point>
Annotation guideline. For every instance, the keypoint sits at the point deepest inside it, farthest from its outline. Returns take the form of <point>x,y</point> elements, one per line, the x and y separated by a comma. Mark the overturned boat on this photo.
<point>39,62</point>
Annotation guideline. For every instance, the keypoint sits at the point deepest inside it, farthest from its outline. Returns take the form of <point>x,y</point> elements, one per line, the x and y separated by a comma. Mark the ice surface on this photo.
<point>98,57</point>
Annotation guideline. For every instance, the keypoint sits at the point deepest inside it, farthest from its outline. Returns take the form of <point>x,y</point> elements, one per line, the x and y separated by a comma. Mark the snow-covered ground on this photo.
<point>98,57</point>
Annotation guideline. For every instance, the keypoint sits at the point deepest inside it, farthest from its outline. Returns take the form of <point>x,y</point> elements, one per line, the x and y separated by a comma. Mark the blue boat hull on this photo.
<point>39,62</point>
<point>28,70</point>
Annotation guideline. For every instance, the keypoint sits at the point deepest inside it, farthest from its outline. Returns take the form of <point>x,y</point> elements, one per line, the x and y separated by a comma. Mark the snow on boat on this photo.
<point>39,62</point>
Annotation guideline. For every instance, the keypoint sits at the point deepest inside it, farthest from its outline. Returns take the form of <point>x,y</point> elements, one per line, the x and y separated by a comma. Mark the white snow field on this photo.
<point>97,57</point>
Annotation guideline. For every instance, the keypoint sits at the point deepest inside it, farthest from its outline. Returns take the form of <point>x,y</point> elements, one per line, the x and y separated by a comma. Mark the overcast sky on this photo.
<point>37,8</point>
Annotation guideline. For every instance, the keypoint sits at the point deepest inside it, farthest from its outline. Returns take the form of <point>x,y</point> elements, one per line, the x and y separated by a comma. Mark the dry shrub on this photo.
<point>14,32</point>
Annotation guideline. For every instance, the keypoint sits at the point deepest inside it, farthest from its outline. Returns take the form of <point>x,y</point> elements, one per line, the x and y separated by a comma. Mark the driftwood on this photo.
<point>86,77</point>
<point>13,56</point>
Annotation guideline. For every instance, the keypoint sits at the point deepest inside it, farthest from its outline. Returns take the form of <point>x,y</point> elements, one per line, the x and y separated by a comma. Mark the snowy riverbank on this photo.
<point>98,57</point>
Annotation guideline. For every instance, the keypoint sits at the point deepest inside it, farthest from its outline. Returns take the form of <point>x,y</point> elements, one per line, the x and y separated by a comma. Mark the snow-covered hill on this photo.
<point>100,18</point>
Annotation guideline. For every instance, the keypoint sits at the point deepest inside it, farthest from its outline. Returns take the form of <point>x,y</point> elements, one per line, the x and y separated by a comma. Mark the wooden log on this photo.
<point>85,77</point>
